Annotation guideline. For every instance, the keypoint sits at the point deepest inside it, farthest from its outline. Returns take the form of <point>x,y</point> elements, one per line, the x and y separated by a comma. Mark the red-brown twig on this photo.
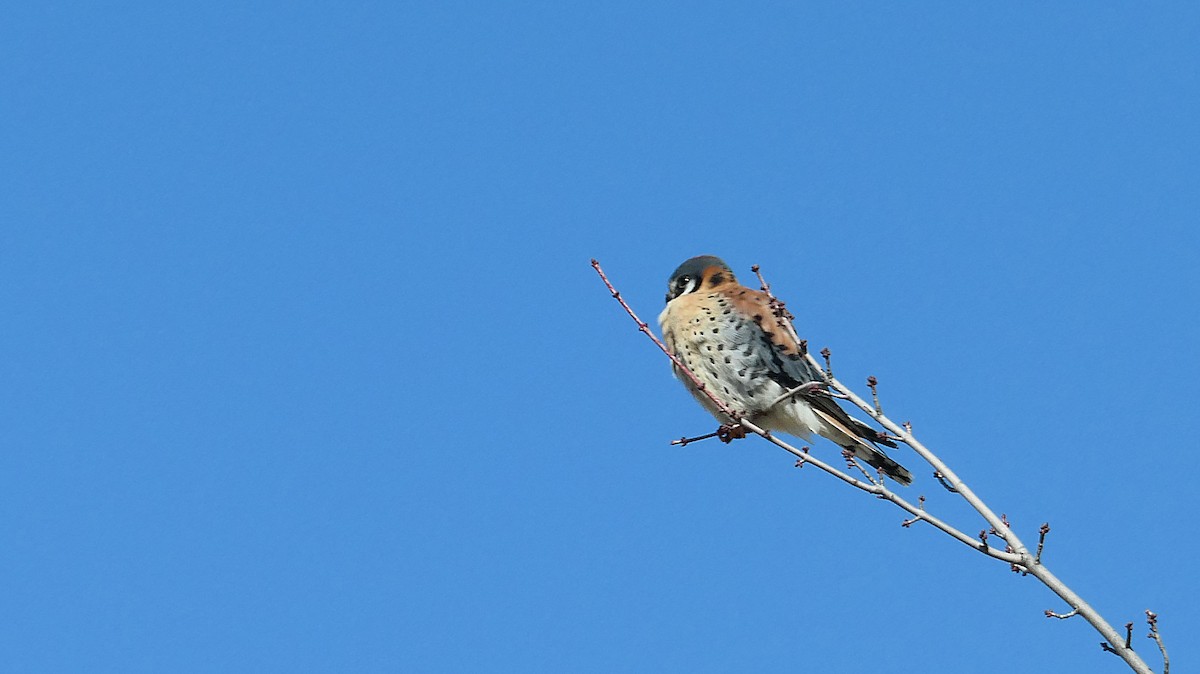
<point>848,455</point>
<point>678,363</point>
<point>685,441</point>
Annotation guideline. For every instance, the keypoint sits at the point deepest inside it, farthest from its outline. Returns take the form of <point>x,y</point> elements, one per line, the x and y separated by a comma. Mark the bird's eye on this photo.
<point>683,281</point>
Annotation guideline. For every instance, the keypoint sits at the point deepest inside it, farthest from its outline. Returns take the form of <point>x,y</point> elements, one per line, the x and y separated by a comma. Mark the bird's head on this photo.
<point>700,272</point>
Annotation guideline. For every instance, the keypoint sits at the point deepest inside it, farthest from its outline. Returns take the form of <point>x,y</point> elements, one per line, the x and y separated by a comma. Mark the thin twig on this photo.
<point>1045,529</point>
<point>803,459</point>
<point>678,363</point>
<point>1152,620</point>
<point>1006,527</point>
<point>872,383</point>
<point>1061,616</point>
<point>881,491</point>
<point>919,516</point>
<point>685,441</point>
<point>848,455</point>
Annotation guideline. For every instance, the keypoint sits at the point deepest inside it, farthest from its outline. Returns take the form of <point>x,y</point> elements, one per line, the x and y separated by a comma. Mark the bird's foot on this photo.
<point>727,433</point>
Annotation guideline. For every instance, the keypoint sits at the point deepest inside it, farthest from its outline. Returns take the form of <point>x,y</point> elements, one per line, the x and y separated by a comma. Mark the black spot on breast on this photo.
<point>716,330</point>
<point>728,360</point>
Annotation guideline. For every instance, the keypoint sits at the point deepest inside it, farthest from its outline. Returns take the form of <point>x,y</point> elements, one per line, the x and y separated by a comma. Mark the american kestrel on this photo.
<point>727,336</point>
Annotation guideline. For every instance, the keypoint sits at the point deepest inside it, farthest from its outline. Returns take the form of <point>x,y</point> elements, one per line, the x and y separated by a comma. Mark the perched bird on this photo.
<point>727,335</point>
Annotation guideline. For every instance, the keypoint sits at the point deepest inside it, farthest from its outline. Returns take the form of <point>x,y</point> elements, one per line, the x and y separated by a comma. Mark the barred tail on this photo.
<point>883,462</point>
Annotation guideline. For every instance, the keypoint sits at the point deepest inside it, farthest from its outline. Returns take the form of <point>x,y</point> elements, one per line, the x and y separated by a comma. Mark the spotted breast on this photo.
<point>727,335</point>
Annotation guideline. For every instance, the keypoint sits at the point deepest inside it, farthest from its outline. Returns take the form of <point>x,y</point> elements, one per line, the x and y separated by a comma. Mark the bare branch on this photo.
<point>1024,560</point>
<point>881,491</point>
<point>1016,554</point>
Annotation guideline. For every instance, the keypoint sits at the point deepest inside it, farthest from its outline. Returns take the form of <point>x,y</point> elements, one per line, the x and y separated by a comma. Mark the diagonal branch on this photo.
<point>642,326</point>
<point>878,489</point>
<point>1016,553</point>
<point>948,477</point>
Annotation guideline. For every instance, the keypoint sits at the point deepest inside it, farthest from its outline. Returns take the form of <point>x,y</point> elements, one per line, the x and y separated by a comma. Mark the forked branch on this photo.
<point>1015,553</point>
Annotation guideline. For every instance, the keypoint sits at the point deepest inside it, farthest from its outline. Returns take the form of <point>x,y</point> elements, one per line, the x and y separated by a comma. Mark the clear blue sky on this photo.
<point>305,368</point>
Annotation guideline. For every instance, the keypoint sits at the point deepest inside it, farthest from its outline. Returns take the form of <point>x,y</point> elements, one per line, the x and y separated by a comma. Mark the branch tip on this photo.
<point>872,382</point>
<point>1042,531</point>
<point>1061,616</point>
<point>1152,621</point>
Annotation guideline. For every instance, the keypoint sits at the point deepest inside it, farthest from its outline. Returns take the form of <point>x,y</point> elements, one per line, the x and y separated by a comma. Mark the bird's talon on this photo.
<point>728,433</point>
